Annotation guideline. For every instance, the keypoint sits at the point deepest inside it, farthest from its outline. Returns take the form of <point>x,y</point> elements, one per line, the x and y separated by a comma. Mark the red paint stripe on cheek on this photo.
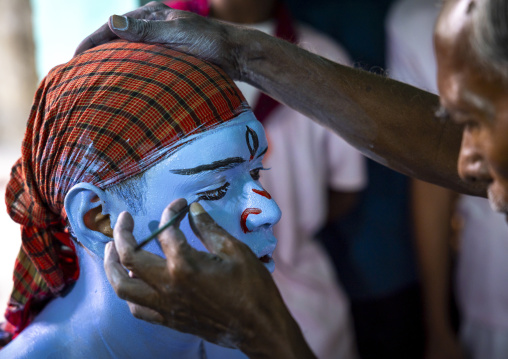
<point>245,214</point>
<point>262,193</point>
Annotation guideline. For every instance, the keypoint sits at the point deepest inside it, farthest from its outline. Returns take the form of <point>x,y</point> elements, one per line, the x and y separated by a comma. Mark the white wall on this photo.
<point>60,25</point>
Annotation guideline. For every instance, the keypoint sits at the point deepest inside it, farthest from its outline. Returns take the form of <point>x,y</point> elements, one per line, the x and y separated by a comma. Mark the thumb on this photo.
<point>131,29</point>
<point>213,236</point>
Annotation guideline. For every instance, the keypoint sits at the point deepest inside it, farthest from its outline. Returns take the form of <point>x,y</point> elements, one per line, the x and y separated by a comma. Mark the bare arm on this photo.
<point>390,122</point>
<point>432,209</point>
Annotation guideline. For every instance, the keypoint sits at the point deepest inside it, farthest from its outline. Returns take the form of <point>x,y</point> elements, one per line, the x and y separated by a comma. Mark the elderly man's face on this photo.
<point>221,168</point>
<point>476,101</point>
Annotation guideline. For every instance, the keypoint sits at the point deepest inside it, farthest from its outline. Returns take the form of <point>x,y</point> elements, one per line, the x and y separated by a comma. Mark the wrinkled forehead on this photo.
<point>452,40</point>
<point>453,20</point>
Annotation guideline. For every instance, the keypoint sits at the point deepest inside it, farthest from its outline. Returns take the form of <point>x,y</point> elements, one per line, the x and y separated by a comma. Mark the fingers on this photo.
<point>132,29</point>
<point>145,313</point>
<point>131,289</point>
<point>148,266</point>
<point>172,210</point>
<point>141,30</point>
<point>173,242</point>
<point>151,11</point>
<point>213,236</point>
<point>100,36</point>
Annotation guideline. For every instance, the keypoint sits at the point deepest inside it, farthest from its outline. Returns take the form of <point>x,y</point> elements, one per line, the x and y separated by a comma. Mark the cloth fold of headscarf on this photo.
<point>264,105</point>
<point>105,116</point>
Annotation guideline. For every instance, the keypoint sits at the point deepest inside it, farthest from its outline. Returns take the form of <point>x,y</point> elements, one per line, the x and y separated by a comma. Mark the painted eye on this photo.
<point>214,194</point>
<point>255,174</point>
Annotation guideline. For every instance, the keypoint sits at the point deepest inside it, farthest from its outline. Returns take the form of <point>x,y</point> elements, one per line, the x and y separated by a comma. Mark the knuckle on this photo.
<point>181,272</point>
<point>122,291</point>
<point>137,311</point>
<point>154,10</point>
<point>152,4</point>
<point>144,30</point>
<point>127,258</point>
<point>159,6</point>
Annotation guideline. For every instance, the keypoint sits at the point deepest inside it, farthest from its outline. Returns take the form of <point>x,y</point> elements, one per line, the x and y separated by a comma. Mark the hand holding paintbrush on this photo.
<point>172,221</point>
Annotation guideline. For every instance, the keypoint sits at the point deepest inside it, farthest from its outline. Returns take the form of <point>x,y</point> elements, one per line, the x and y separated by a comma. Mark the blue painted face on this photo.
<point>221,168</point>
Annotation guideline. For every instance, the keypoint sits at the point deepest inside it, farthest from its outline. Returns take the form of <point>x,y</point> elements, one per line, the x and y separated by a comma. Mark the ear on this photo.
<point>88,213</point>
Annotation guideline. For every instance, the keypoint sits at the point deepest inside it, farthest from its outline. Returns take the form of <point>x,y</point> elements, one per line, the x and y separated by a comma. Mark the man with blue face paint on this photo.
<point>462,146</point>
<point>126,127</point>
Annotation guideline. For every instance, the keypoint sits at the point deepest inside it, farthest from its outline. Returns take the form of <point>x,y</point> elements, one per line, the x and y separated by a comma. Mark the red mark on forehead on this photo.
<point>262,193</point>
<point>245,214</point>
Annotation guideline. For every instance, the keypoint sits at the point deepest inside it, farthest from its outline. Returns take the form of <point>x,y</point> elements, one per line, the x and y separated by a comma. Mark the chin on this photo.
<point>498,199</point>
<point>268,262</point>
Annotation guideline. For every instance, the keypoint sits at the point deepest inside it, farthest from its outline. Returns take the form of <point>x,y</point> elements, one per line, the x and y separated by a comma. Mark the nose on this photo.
<point>261,211</point>
<point>472,165</point>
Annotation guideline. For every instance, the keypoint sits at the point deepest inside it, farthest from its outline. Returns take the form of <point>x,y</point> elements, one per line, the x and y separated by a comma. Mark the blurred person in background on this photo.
<point>372,246</point>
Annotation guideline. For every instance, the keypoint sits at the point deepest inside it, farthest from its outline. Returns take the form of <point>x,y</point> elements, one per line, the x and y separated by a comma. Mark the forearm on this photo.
<point>390,122</point>
<point>432,208</point>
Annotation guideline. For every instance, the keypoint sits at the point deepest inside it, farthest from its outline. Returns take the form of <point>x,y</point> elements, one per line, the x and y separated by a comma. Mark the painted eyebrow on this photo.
<point>262,153</point>
<point>221,165</point>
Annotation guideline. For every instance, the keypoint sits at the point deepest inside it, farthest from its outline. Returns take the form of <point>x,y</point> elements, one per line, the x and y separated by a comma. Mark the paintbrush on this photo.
<point>172,221</point>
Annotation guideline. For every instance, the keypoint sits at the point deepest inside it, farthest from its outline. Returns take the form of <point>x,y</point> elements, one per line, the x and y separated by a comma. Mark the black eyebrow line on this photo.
<point>220,165</point>
<point>262,153</point>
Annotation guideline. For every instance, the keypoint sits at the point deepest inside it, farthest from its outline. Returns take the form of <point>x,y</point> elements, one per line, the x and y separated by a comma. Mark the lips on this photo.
<point>265,255</point>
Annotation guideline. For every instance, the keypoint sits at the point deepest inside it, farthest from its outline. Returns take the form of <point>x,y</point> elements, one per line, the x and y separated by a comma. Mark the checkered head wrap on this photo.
<point>105,116</point>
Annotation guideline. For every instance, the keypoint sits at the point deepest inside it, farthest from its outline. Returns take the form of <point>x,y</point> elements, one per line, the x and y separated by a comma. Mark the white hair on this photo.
<point>489,35</point>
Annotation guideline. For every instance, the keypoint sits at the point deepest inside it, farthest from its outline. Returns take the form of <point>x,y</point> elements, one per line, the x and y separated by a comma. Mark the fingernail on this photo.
<point>120,22</point>
<point>196,209</point>
<point>178,204</point>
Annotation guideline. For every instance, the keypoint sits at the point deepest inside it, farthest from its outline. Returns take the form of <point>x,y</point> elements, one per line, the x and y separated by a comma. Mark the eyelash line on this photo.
<point>257,176</point>
<point>214,194</point>
<point>218,193</point>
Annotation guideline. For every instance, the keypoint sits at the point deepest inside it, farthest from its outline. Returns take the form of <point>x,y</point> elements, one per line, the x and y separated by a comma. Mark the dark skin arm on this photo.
<point>432,211</point>
<point>225,296</point>
<point>390,122</point>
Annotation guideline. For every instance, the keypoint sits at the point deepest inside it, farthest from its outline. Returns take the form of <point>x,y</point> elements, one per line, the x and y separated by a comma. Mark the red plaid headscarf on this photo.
<point>107,115</point>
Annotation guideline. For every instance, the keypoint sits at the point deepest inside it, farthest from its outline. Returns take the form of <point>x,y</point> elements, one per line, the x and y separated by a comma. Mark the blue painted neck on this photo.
<point>91,321</point>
